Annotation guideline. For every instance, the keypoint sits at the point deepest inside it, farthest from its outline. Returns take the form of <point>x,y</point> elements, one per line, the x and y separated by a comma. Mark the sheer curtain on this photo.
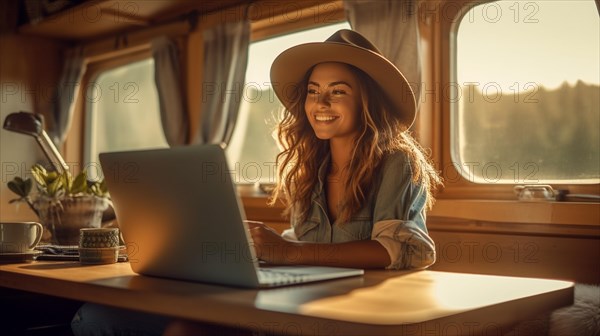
<point>225,61</point>
<point>68,86</point>
<point>392,26</point>
<point>167,74</point>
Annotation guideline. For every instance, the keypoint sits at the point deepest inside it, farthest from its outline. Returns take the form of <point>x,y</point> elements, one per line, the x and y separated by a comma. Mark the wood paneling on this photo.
<point>556,257</point>
<point>29,72</point>
<point>102,17</point>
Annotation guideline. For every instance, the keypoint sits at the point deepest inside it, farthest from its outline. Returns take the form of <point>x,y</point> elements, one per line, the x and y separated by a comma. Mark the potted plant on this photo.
<point>62,203</point>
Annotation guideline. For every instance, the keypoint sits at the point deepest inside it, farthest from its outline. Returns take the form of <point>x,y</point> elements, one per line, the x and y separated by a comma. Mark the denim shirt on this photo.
<point>393,214</point>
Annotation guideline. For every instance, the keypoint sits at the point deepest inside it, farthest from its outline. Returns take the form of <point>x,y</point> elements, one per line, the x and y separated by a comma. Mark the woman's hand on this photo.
<point>270,246</point>
<point>274,249</point>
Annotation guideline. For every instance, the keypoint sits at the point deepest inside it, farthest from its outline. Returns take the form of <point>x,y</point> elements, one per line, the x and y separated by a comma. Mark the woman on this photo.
<point>356,183</point>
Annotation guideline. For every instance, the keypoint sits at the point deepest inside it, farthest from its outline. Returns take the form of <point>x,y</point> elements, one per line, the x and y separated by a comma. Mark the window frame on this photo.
<point>96,71</point>
<point>443,35</point>
<point>75,151</point>
<point>297,18</point>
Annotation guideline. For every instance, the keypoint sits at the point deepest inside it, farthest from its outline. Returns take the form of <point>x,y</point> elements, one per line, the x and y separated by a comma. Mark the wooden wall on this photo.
<point>566,257</point>
<point>29,72</point>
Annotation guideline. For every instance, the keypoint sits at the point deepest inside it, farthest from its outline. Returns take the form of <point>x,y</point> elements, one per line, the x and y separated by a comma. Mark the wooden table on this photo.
<point>378,303</point>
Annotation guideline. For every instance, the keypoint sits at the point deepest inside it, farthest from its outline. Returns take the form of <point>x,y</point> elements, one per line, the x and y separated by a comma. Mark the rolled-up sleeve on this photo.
<point>289,234</point>
<point>407,244</point>
<point>399,217</point>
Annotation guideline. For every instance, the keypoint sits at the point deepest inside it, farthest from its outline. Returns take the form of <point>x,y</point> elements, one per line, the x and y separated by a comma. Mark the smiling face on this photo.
<point>332,102</point>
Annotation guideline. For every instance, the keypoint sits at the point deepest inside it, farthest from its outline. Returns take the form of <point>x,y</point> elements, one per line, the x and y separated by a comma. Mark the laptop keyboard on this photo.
<point>279,277</point>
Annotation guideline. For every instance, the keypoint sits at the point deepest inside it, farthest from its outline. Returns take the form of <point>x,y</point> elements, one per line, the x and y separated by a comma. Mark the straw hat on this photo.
<point>345,46</point>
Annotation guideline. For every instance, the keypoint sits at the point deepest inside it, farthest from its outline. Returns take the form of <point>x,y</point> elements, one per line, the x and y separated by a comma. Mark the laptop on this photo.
<point>181,218</point>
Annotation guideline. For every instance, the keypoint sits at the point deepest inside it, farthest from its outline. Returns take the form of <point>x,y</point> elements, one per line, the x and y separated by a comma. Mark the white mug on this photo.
<point>19,237</point>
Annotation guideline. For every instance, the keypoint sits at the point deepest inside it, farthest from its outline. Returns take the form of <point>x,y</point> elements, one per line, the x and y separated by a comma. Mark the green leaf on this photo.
<point>79,184</point>
<point>103,188</point>
<point>67,181</point>
<point>39,175</point>
<point>40,168</point>
<point>94,189</point>
<point>27,185</point>
<point>99,189</point>
<point>51,177</point>
<point>17,188</point>
<point>55,186</point>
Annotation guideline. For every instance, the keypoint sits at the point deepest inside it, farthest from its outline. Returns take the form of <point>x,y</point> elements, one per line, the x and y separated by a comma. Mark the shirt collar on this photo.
<point>321,175</point>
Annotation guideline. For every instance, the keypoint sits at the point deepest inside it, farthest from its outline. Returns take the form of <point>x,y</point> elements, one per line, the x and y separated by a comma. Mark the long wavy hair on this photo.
<point>382,133</point>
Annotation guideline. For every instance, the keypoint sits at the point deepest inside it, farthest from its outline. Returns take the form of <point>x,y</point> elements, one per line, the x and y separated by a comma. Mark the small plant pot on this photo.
<point>65,217</point>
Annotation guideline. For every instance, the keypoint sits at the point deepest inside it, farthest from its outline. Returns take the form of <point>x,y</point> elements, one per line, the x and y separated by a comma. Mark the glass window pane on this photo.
<point>122,112</point>
<point>253,149</point>
<point>527,104</point>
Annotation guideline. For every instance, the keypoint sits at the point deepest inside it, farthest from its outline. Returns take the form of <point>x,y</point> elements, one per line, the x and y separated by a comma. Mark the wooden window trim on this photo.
<point>74,145</point>
<point>438,35</point>
<point>302,16</point>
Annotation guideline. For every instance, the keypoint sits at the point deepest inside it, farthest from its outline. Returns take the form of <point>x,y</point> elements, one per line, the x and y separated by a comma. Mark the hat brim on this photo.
<point>290,66</point>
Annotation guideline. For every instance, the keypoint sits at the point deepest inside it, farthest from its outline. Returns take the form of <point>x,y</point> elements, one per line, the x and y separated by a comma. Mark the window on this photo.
<point>122,113</point>
<point>525,95</point>
<point>253,149</point>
